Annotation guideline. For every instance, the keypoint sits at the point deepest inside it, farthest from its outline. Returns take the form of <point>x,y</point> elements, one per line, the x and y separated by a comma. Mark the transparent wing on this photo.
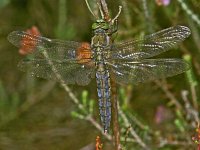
<point>147,69</point>
<point>56,49</point>
<point>54,59</point>
<point>68,72</point>
<point>150,45</point>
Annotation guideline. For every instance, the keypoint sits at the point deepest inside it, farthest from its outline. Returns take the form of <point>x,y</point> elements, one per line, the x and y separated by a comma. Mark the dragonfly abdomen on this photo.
<point>103,90</point>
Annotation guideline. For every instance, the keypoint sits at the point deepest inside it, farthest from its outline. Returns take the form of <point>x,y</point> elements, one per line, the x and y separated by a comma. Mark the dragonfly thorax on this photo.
<point>100,39</point>
<point>101,33</point>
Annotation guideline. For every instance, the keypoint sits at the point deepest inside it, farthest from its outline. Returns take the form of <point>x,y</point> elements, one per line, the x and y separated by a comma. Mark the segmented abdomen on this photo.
<point>103,89</point>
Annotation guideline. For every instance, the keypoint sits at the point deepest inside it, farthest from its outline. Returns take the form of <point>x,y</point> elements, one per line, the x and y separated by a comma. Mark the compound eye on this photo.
<point>95,25</point>
<point>105,26</point>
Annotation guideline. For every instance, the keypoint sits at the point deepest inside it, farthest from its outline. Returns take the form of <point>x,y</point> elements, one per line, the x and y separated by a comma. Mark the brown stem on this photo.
<point>104,9</point>
<point>194,96</point>
<point>114,101</point>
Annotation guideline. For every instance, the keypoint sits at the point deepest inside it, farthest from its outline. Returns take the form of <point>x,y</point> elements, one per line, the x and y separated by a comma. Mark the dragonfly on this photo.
<point>129,62</point>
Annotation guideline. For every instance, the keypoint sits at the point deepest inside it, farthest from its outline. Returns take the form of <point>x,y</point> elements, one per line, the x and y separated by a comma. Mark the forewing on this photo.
<point>67,72</point>
<point>56,49</point>
<point>150,45</point>
<point>147,69</point>
<point>54,59</point>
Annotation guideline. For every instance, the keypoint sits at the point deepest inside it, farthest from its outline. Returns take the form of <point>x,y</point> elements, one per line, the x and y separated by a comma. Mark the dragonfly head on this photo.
<point>101,30</point>
<point>100,24</point>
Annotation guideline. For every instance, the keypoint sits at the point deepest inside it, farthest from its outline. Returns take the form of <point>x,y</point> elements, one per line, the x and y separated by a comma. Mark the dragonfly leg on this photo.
<point>114,26</point>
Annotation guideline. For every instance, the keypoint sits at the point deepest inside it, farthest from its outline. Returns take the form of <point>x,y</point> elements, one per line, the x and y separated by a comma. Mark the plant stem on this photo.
<point>169,94</point>
<point>114,100</point>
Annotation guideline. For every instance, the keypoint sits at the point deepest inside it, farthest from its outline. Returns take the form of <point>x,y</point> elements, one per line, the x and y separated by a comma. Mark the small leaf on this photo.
<point>84,97</point>
<point>123,97</point>
<point>91,106</point>
<point>77,115</point>
<point>180,125</point>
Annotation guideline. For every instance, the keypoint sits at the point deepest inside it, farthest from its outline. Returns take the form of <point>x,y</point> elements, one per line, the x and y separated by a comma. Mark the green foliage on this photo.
<point>8,105</point>
<point>190,74</point>
<point>66,32</point>
<point>4,3</point>
<point>64,29</point>
<point>77,115</point>
<point>87,106</point>
<point>180,121</point>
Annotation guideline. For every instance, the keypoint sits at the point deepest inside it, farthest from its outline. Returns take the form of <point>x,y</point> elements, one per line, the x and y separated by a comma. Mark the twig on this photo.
<point>88,6</point>
<point>169,94</point>
<point>194,96</point>
<point>117,16</point>
<point>192,81</point>
<point>127,132</point>
<point>190,111</point>
<point>197,67</point>
<point>62,17</point>
<point>126,13</point>
<point>189,12</point>
<point>173,143</point>
<point>195,34</point>
<point>147,16</point>
<point>59,77</point>
<point>103,10</point>
<point>133,133</point>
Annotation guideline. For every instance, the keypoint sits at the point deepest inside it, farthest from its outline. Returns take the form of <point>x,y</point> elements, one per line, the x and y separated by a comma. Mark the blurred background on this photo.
<point>38,114</point>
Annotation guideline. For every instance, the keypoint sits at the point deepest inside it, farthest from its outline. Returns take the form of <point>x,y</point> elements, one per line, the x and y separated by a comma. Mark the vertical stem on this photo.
<point>30,86</point>
<point>104,9</point>
<point>62,18</point>
<point>147,16</point>
<point>114,100</point>
<point>194,96</point>
<point>192,81</point>
<point>62,13</point>
<point>128,18</point>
